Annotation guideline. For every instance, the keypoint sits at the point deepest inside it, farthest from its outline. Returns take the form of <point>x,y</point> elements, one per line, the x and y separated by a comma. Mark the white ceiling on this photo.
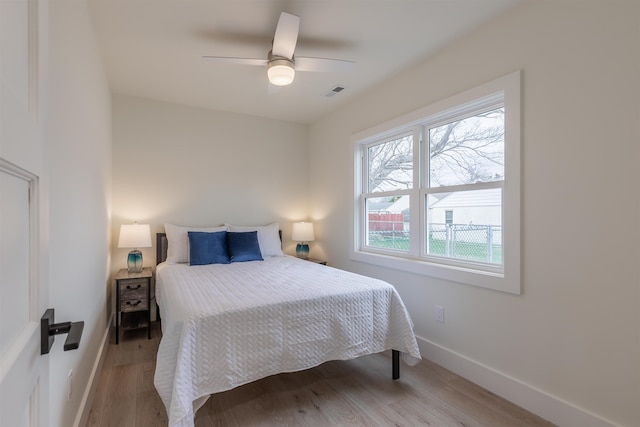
<point>153,48</point>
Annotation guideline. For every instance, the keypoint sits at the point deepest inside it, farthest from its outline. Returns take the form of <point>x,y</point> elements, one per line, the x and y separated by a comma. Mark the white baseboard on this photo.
<point>92,385</point>
<point>541,403</point>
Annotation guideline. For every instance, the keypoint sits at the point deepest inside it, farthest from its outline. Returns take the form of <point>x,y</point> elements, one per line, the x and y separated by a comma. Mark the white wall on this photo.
<point>197,167</point>
<point>569,346</point>
<point>78,156</point>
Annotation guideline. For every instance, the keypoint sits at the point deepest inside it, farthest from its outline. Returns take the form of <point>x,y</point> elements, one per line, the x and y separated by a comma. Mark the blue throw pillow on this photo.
<point>243,246</point>
<point>208,248</point>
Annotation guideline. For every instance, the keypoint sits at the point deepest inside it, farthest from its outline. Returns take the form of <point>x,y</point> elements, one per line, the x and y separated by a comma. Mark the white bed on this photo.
<point>225,325</point>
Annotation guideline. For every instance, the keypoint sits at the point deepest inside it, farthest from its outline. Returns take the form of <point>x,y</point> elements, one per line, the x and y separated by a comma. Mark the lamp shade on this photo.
<point>134,236</point>
<point>302,232</point>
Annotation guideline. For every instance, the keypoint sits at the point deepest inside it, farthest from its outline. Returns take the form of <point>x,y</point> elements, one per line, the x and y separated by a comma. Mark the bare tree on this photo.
<point>391,164</point>
<point>469,150</point>
<point>461,152</point>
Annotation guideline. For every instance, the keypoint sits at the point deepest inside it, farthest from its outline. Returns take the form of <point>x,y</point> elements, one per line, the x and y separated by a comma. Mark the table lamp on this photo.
<point>302,233</point>
<point>134,236</point>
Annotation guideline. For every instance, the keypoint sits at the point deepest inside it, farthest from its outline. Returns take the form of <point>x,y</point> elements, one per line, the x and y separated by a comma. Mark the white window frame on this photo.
<point>505,90</point>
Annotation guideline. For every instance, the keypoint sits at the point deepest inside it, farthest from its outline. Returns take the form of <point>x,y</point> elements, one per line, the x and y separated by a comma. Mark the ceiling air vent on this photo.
<point>335,90</point>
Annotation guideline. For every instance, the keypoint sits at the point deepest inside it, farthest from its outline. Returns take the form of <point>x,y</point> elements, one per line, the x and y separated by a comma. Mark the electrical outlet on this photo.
<point>69,385</point>
<point>440,313</point>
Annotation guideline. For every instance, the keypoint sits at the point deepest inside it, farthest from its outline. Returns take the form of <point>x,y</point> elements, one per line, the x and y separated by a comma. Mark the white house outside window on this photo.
<point>438,191</point>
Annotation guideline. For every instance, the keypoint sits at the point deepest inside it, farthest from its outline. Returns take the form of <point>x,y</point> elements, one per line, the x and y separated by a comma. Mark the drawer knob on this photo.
<point>137,287</point>
<point>134,303</point>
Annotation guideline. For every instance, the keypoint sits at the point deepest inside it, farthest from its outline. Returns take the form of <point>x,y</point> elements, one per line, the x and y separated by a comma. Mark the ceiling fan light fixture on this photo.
<point>281,72</point>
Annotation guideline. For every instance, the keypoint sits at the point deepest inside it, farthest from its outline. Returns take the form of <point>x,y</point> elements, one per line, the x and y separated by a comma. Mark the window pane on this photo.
<point>391,165</point>
<point>468,151</point>
<point>476,232</point>
<point>388,222</point>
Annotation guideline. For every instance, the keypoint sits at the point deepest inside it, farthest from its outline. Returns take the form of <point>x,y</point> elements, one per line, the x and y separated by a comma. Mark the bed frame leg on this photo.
<point>395,364</point>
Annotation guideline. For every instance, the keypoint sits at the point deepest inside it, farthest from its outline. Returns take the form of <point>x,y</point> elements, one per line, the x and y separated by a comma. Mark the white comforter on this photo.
<point>227,325</point>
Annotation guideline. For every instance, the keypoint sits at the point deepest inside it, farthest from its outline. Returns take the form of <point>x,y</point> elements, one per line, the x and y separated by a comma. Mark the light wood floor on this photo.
<point>355,393</point>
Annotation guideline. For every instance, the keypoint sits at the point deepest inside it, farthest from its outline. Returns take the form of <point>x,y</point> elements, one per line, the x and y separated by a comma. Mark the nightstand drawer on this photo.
<point>133,295</point>
<point>137,287</point>
<point>134,304</point>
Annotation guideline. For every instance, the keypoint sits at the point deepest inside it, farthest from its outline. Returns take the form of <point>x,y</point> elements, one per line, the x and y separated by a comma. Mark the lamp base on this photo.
<point>134,261</point>
<point>302,250</point>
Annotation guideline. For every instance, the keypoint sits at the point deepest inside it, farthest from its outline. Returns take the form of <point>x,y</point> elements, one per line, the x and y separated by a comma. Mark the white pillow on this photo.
<point>178,241</point>
<point>268,237</point>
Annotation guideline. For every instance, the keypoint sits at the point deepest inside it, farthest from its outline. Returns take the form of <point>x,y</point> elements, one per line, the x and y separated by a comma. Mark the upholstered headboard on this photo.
<point>162,243</point>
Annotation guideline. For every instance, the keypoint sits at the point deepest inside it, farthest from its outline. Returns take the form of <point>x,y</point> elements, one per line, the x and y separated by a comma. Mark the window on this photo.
<point>390,182</point>
<point>438,190</point>
<point>448,217</point>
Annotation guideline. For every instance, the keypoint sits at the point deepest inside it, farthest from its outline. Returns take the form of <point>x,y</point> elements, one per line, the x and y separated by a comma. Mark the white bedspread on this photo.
<point>227,325</point>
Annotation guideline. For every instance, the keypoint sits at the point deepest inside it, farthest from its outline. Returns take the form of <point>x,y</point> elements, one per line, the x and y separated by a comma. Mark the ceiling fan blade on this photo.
<point>286,37</point>
<point>240,61</point>
<point>322,64</point>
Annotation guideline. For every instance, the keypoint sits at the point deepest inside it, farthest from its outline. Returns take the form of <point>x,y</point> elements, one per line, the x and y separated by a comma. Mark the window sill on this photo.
<point>504,282</point>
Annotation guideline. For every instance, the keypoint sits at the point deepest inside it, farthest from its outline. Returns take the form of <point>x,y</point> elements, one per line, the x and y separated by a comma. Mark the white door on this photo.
<point>24,373</point>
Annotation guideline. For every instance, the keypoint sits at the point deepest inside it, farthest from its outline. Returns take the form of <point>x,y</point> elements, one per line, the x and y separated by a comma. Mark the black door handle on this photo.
<point>48,330</point>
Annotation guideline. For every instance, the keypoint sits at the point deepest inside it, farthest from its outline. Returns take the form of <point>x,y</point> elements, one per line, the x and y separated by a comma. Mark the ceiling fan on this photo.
<point>281,62</point>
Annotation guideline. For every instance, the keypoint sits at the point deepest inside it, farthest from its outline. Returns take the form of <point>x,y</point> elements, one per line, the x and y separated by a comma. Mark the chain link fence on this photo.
<point>482,243</point>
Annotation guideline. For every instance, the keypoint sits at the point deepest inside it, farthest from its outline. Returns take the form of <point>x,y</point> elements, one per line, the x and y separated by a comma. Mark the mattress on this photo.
<point>225,325</point>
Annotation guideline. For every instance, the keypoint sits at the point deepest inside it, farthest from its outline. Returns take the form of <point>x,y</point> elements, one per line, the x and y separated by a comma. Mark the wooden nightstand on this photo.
<point>133,300</point>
